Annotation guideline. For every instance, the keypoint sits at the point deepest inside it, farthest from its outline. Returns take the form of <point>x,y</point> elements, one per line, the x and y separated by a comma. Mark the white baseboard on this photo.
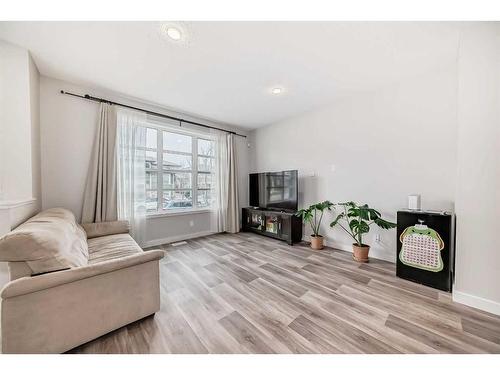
<point>374,253</point>
<point>181,237</point>
<point>348,247</point>
<point>477,302</point>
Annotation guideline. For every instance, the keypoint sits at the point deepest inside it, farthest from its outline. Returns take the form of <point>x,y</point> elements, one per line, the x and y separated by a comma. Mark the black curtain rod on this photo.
<point>181,120</point>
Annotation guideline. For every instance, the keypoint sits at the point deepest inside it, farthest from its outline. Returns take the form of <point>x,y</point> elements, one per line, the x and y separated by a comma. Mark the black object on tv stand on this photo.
<point>282,225</point>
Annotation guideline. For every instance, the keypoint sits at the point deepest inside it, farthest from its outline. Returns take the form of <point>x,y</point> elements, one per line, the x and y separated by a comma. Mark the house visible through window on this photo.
<point>179,171</point>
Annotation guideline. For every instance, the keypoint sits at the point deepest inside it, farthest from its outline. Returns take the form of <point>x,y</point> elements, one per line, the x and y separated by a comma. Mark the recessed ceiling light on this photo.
<point>277,90</point>
<point>174,33</point>
<point>178,33</point>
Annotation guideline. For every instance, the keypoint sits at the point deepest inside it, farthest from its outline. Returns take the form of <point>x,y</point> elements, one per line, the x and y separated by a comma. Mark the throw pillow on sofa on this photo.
<point>49,241</point>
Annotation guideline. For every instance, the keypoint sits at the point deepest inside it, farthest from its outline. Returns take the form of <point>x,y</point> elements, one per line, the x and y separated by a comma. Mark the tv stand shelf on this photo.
<point>282,225</point>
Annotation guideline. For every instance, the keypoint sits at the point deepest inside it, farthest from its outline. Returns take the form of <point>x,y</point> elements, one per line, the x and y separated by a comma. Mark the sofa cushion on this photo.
<point>106,228</point>
<point>49,241</point>
<point>111,247</point>
<point>18,270</point>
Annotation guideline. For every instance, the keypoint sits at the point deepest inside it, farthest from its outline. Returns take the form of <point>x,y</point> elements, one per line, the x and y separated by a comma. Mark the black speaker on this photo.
<point>426,248</point>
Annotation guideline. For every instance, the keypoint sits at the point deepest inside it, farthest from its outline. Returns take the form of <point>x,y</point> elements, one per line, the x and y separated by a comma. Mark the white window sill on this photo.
<point>177,213</point>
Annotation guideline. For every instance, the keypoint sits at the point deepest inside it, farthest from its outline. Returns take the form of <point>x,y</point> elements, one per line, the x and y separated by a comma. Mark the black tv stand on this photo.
<point>282,225</point>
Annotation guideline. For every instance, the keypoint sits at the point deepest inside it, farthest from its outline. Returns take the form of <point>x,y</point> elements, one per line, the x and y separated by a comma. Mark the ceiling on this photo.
<point>224,71</point>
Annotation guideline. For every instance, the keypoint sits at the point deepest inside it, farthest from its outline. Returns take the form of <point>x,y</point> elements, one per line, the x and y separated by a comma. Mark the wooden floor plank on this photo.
<point>369,321</point>
<point>487,332</point>
<point>399,308</point>
<point>213,336</point>
<point>438,342</point>
<point>310,282</point>
<point>245,333</point>
<point>200,291</point>
<point>317,336</point>
<point>271,322</point>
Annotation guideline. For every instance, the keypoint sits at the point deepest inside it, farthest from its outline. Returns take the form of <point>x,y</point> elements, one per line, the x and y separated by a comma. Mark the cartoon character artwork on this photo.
<point>421,248</point>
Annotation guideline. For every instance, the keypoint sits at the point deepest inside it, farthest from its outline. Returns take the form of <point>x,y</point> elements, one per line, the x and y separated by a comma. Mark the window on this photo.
<point>179,171</point>
<point>206,166</point>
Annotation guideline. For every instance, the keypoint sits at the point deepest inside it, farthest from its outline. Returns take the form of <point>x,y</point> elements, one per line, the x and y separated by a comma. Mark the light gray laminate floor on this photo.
<point>246,293</point>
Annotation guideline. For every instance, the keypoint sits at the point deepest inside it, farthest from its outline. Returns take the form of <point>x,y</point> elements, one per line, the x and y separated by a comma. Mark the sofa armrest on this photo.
<point>106,228</point>
<point>32,284</point>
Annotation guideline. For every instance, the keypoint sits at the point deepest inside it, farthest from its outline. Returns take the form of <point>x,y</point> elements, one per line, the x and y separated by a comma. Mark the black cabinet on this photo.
<point>276,224</point>
<point>425,248</point>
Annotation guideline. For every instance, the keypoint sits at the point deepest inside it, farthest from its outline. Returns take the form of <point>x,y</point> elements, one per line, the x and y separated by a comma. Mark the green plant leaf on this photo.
<point>321,206</point>
<point>347,204</point>
<point>384,224</point>
<point>359,226</point>
<point>352,212</point>
<point>363,227</point>
<point>363,212</point>
<point>374,213</point>
<point>353,224</point>
<point>335,222</point>
<point>301,213</point>
<point>306,214</point>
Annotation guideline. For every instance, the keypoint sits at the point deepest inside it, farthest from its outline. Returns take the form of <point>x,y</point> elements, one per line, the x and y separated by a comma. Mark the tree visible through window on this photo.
<point>185,178</point>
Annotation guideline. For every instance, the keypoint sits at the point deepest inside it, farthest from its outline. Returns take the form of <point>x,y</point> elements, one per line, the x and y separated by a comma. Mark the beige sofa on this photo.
<point>70,285</point>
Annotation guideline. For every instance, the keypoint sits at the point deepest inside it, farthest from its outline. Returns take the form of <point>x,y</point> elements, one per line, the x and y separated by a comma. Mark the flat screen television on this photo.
<point>274,190</point>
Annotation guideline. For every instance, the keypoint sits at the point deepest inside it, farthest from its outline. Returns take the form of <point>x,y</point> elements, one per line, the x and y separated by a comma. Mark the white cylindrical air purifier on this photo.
<point>414,202</point>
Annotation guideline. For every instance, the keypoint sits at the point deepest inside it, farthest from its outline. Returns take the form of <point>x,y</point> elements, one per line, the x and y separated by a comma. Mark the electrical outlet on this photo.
<point>377,238</point>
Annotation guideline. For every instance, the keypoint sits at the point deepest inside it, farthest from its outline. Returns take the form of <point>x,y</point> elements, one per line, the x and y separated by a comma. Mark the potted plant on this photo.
<point>359,219</point>
<point>313,215</point>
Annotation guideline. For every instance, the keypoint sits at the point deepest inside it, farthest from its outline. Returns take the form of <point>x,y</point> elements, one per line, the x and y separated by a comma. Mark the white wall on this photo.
<point>67,131</point>
<point>478,178</point>
<point>19,140</point>
<point>373,148</point>
<point>19,123</point>
<point>19,137</point>
<point>15,123</point>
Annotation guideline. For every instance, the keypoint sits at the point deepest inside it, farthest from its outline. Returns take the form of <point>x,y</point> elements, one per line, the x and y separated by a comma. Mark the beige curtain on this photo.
<point>225,213</point>
<point>232,209</point>
<point>99,202</point>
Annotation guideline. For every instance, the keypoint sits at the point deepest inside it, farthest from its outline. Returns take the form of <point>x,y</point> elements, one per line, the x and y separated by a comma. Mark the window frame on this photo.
<point>161,127</point>
<point>157,170</point>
